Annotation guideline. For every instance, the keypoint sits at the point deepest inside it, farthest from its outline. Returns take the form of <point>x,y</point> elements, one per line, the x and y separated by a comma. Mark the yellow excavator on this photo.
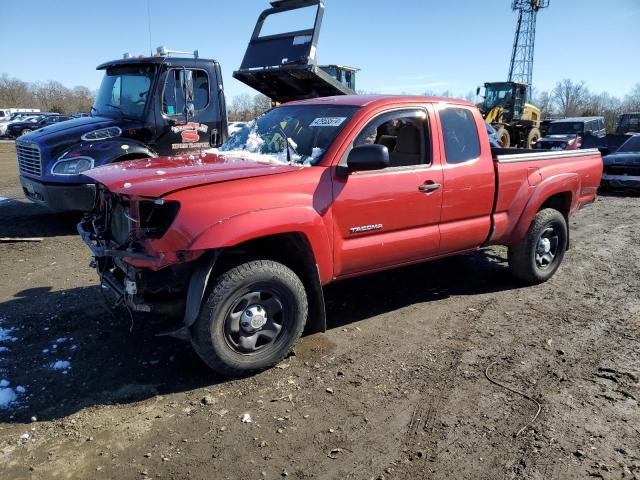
<point>506,109</point>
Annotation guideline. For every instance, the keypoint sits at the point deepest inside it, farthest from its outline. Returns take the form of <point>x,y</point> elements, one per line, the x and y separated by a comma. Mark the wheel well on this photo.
<point>559,201</point>
<point>562,203</point>
<point>292,250</point>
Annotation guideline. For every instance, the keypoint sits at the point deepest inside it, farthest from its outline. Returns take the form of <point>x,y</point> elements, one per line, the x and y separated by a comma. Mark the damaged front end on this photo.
<point>124,234</point>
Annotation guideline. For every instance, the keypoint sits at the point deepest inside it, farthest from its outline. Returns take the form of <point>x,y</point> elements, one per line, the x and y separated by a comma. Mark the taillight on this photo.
<point>156,216</point>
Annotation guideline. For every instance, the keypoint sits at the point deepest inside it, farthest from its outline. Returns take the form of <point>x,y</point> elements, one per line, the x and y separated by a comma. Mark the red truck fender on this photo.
<point>235,230</point>
<point>564,183</point>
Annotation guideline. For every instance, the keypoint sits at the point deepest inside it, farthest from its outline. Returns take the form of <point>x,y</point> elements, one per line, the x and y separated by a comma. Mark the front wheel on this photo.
<point>254,315</point>
<point>504,138</point>
<point>24,131</point>
<point>538,255</point>
<point>532,137</point>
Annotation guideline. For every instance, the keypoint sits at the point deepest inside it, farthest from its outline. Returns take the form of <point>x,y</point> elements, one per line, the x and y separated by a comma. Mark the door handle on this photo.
<point>429,187</point>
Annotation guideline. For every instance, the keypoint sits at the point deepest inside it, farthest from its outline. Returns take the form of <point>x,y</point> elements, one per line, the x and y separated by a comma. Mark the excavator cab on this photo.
<point>283,66</point>
<point>505,107</point>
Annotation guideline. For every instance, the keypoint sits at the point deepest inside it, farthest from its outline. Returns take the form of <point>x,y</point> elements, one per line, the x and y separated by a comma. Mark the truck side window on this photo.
<point>461,142</point>
<point>173,98</point>
<point>404,134</point>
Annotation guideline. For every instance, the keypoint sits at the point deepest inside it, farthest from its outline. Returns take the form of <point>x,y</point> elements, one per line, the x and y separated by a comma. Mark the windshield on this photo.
<point>631,145</point>
<point>497,95</point>
<point>565,128</point>
<point>310,130</point>
<point>124,92</point>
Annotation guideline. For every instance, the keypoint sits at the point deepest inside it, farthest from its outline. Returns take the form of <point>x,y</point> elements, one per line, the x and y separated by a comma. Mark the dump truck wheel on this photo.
<point>504,139</point>
<point>538,255</point>
<point>254,315</point>
<point>532,137</point>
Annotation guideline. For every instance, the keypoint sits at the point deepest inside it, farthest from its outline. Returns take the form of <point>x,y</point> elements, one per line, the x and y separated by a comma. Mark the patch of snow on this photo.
<point>61,339</point>
<point>24,436</point>
<point>246,418</point>
<point>4,349</point>
<point>20,389</point>
<point>4,383</point>
<point>61,365</point>
<point>45,350</point>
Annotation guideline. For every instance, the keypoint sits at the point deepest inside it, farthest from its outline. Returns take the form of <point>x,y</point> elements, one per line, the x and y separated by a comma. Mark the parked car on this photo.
<point>622,168</point>
<point>5,113</point>
<point>628,123</point>
<point>14,117</point>
<point>570,133</point>
<point>240,243</point>
<point>17,129</point>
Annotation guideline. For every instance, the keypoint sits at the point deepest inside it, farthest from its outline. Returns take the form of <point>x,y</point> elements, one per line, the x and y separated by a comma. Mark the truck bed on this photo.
<point>523,174</point>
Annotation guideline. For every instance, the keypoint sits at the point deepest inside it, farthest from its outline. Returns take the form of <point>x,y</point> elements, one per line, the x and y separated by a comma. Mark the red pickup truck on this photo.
<point>239,243</point>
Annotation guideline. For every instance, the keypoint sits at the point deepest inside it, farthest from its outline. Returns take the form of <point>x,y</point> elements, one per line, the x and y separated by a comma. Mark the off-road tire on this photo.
<point>522,256</point>
<point>504,138</point>
<point>532,137</point>
<point>208,333</point>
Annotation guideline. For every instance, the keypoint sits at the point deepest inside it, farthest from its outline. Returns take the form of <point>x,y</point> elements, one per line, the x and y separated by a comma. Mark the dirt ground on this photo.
<point>396,389</point>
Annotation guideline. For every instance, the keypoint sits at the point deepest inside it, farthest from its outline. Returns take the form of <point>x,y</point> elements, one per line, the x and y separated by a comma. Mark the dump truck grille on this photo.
<point>29,162</point>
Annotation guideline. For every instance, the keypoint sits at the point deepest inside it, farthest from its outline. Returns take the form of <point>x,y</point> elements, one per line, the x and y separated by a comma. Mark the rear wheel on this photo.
<point>504,139</point>
<point>253,317</point>
<point>537,257</point>
<point>532,137</point>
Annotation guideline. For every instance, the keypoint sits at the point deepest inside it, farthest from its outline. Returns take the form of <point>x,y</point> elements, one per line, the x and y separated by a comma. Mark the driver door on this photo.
<point>387,217</point>
<point>175,134</point>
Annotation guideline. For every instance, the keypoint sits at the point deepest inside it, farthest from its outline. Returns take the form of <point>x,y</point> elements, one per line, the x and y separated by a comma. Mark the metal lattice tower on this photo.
<point>521,67</point>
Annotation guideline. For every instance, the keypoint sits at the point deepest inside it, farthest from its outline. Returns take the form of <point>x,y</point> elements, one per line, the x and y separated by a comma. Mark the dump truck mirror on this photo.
<point>368,157</point>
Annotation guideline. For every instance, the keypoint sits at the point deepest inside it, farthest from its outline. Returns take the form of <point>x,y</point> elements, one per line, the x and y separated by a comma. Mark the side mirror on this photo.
<point>368,157</point>
<point>478,91</point>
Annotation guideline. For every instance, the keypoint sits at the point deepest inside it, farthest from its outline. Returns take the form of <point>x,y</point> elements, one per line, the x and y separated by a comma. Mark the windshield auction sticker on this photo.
<point>327,122</point>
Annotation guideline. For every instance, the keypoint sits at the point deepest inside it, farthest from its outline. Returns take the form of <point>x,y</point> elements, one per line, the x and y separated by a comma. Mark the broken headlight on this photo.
<point>156,216</point>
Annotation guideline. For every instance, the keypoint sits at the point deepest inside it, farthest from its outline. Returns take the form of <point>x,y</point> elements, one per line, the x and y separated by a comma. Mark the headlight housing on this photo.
<point>72,165</point>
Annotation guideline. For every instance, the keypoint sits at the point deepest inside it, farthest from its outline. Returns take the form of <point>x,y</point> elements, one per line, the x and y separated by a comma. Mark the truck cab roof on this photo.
<point>187,62</point>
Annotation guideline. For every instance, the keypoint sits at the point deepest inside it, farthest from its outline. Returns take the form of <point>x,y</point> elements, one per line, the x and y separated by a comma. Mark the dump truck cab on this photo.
<point>284,66</point>
<point>145,107</point>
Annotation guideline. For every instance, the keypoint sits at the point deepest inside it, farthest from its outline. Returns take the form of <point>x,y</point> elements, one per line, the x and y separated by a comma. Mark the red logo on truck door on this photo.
<point>190,134</point>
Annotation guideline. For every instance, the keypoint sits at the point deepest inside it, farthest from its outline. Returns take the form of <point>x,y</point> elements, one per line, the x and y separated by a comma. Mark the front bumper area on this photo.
<point>60,197</point>
<point>621,181</point>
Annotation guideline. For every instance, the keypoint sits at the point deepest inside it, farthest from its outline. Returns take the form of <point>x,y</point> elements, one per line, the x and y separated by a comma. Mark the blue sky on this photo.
<point>401,46</point>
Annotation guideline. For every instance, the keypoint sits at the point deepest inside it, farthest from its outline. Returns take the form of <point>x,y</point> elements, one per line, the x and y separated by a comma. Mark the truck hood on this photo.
<point>558,138</point>
<point>155,177</point>
<point>72,129</point>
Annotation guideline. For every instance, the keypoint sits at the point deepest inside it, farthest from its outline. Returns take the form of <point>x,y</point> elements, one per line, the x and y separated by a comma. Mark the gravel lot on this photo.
<point>396,389</point>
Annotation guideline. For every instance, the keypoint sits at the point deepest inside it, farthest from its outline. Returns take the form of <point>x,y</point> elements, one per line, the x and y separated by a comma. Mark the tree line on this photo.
<point>49,96</point>
<point>567,98</point>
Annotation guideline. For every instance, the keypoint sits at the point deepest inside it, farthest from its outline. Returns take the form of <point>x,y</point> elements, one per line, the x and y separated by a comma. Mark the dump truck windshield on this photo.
<point>124,92</point>
<point>297,134</point>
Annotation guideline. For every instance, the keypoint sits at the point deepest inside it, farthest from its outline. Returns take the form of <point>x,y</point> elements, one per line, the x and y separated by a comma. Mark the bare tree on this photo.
<point>632,101</point>
<point>570,97</point>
